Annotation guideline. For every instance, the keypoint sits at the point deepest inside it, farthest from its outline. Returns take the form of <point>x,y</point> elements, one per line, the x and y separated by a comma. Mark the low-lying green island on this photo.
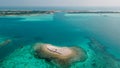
<point>23,12</point>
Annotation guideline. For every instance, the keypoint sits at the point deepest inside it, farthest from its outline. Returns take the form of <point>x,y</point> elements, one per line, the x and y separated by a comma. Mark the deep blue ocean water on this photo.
<point>61,29</point>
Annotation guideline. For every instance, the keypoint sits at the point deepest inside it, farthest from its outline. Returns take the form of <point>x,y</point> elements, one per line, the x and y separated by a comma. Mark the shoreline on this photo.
<point>33,12</point>
<point>24,12</point>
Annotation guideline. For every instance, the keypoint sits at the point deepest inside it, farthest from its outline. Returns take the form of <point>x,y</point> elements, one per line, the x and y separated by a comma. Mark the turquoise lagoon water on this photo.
<point>97,34</point>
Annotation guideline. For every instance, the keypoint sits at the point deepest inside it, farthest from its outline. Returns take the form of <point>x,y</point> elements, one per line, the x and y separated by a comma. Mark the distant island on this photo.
<point>92,11</point>
<point>23,12</point>
<point>27,12</point>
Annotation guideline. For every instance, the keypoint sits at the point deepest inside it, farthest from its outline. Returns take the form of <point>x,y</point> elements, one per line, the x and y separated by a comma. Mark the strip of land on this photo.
<point>29,12</point>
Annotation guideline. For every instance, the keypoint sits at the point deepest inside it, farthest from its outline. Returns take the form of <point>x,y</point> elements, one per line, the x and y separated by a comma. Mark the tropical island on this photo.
<point>23,12</point>
<point>29,12</point>
<point>63,56</point>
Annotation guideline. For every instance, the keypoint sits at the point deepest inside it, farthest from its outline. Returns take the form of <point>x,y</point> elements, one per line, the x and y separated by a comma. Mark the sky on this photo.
<point>63,3</point>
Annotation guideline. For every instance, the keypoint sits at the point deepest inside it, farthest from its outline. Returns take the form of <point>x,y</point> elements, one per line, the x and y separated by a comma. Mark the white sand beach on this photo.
<point>63,51</point>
